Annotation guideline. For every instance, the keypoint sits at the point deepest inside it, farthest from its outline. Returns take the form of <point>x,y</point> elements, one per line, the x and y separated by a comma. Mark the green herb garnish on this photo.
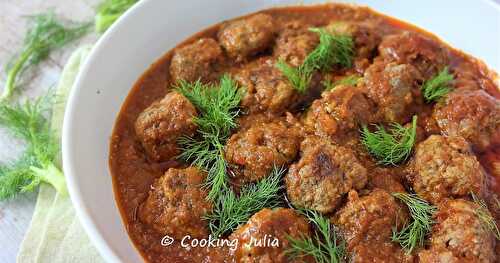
<point>325,246</point>
<point>109,11</point>
<point>351,80</point>
<point>218,107</point>
<point>393,147</point>
<point>438,86</point>
<point>45,34</point>
<point>299,77</point>
<point>27,121</point>
<point>331,50</point>
<point>413,234</point>
<point>230,210</point>
<point>484,214</point>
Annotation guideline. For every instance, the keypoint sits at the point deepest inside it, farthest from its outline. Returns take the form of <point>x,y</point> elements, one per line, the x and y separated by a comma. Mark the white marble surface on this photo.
<point>15,215</point>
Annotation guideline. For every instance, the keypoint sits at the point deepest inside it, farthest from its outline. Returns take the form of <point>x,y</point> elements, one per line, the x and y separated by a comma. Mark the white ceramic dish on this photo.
<point>153,27</point>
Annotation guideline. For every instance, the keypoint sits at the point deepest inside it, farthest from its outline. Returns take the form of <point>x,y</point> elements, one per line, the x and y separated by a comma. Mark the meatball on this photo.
<point>459,236</point>
<point>323,175</point>
<point>427,55</point>
<point>339,111</point>
<point>474,115</point>
<point>176,204</point>
<point>267,224</point>
<point>367,224</point>
<point>392,87</point>
<point>196,61</point>
<point>365,36</point>
<point>265,88</point>
<point>254,152</point>
<point>160,125</point>
<point>247,36</point>
<point>294,43</point>
<point>446,168</point>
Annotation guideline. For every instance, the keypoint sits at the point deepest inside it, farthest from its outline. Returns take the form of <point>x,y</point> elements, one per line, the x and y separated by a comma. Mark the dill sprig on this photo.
<point>45,34</point>
<point>109,11</point>
<point>218,107</point>
<point>299,76</point>
<point>438,86</point>
<point>230,210</point>
<point>332,50</point>
<point>325,246</point>
<point>484,214</point>
<point>413,234</point>
<point>351,80</point>
<point>27,121</point>
<point>393,147</point>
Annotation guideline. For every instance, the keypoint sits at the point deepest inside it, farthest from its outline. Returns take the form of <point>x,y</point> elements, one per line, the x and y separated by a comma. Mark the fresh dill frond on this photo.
<point>332,50</point>
<point>438,86</point>
<point>351,80</point>
<point>393,147</point>
<point>325,246</point>
<point>218,108</point>
<point>46,33</point>
<point>299,77</point>
<point>109,11</point>
<point>230,210</point>
<point>484,214</point>
<point>413,234</point>
<point>27,121</point>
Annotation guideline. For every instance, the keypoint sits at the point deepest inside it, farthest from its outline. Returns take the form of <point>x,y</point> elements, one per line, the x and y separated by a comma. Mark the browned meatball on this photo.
<point>459,236</point>
<point>367,224</point>
<point>254,152</point>
<point>339,111</point>
<point>294,43</point>
<point>474,115</point>
<point>323,175</point>
<point>473,74</point>
<point>160,125</point>
<point>427,55</point>
<point>196,61</point>
<point>176,204</point>
<point>365,36</point>
<point>394,88</point>
<point>279,223</point>
<point>266,89</point>
<point>446,168</point>
<point>247,36</point>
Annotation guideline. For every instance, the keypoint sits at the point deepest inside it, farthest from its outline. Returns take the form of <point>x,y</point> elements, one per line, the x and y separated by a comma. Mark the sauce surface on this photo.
<point>134,171</point>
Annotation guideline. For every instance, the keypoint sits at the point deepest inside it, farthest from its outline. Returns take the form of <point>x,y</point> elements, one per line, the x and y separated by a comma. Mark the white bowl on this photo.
<point>152,28</point>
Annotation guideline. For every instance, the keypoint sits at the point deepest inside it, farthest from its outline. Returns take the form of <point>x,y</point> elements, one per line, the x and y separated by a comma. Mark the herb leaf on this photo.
<point>218,106</point>
<point>46,34</point>
<point>390,148</point>
<point>324,247</point>
<point>230,210</point>
<point>109,11</point>
<point>413,234</point>
<point>27,121</point>
<point>351,80</point>
<point>299,77</point>
<point>438,86</point>
<point>331,50</point>
<point>484,214</point>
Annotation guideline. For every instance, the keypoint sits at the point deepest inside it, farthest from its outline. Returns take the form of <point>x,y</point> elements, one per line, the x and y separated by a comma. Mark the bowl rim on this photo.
<point>81,209</point>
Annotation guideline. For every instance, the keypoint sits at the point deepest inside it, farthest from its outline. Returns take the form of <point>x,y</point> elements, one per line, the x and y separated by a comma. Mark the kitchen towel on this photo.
<point>55,234</point>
